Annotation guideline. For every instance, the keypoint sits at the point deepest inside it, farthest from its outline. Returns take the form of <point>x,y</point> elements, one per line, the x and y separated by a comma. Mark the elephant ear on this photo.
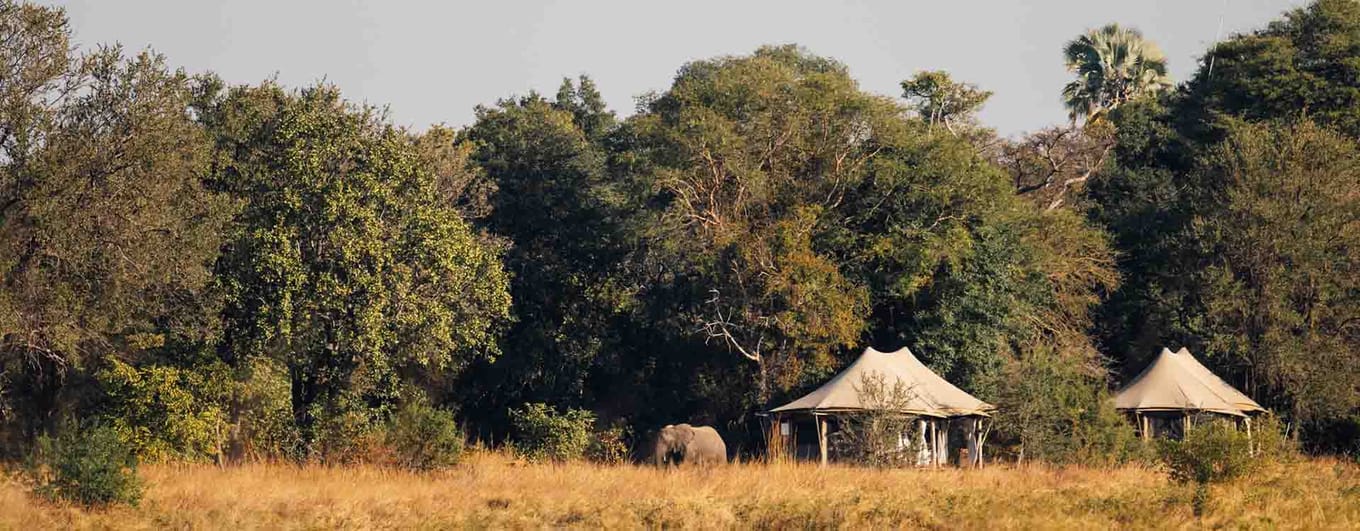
<point>685,433</point>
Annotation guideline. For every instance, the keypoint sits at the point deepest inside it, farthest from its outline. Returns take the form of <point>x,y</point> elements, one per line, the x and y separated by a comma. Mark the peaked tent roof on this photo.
<point>929,394</point>
<point>1176,381</point>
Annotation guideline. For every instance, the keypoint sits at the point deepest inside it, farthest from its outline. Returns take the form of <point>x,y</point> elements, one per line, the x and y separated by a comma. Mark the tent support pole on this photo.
<point>982,441</point>
<point>981,433</point>
<point>942,435</point>
<point>936,453</point>
<point>821,436</point>
<point>972,441</point>
<point>1251,446</point>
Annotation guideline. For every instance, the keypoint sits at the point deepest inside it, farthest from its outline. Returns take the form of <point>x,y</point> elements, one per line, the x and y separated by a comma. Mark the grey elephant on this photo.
<point>682,443</point>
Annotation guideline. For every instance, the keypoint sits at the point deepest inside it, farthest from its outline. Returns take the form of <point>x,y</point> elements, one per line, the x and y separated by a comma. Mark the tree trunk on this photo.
<point>303,396</point>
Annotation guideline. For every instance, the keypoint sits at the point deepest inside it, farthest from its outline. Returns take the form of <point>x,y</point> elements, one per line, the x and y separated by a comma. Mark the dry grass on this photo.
<point>491,490</point>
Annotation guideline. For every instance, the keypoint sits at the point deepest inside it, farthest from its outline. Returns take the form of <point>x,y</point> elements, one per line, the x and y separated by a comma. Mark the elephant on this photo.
<point>682,443</point>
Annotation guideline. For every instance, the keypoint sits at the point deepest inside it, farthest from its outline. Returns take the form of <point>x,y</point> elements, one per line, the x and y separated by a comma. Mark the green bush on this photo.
<point>91,466</point>
<point>424,438</point>
<point>159,411</point>
<point>1055,410</point>
<point>541,433</point>
<point>1211,453</point>
<point>259,412</point>
<point>1270,442</point>
<point>345,432</point>
<point>607,446</point>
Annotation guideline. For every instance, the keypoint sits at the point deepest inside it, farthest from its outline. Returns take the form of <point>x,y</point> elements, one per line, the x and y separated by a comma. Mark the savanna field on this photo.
<point>493,490</point>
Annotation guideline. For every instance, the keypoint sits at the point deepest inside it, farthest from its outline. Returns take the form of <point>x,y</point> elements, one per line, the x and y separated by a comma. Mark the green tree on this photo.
<point>344,263</point>
<point>795,216</point>
<point>583,100</point>
<point>747,156</point>
<point>161,412</point>
<point>1197,225</point>
<point>106,233</point>
<point>1281,249</point>
<point>1303,65</point>
<point>556,208</point>
<point>1113,65</point>
<point>940,100</point>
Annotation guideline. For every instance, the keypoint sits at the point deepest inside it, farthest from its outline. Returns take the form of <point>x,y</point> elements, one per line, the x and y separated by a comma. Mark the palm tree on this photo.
<point>1113,65</point>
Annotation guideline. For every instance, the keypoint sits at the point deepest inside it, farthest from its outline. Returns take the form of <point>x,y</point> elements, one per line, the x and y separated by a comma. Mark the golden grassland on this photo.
<point>493,490</point>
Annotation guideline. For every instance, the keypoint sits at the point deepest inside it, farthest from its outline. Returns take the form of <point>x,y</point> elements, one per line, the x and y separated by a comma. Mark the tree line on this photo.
<point>258,271</point>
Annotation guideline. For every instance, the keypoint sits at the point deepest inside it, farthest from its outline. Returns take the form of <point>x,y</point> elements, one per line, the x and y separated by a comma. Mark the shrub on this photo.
<point>159,411</point>
<point>541,433</point>
<point>92,466</point>
<point>1270,442</point>
<point>1210,453</point>
<point>607,446</point>
<point>345,432</point>
<point>1055,410</point>
<point>424,438</point>
<point>260,424</point>
<point>878,436</point>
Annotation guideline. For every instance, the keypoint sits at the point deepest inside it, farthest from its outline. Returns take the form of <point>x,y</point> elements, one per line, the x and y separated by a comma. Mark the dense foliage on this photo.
<point>89,466</point>
<point>542,433</point>
<point>229,273</point>
<point>1237,220</point>
<point>425,438</point>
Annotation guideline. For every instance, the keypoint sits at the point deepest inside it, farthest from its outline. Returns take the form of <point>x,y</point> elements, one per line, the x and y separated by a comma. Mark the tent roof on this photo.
<point>929,394</point>
<point>1176,381</point>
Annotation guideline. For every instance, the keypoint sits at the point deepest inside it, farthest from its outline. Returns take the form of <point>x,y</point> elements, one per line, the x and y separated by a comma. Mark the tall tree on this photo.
<point>553,207</point>
<point>106,234</point>
<point>750,154</point>
<point>1303,65</point>
<point>344,264</point>
<point>1279,232</point>
<point>795,217</point>
<point>1113,65</point>
<point>941,101</point>
<point>1205,216</point>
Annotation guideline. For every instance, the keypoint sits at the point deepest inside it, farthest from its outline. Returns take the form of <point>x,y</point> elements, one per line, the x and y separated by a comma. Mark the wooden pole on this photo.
<point>1251,446</point>
<point>821,436</point>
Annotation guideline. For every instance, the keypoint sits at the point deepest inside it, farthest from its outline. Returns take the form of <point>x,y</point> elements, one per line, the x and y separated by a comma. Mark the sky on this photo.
<point>432,62</point>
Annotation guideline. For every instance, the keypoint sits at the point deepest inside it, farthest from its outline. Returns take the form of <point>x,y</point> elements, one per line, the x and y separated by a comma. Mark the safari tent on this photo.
<point>935,403</point>
<point>1175,387</point>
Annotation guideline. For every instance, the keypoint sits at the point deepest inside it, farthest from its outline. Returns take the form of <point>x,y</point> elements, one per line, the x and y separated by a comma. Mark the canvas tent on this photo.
<point>1176,385</point>
<point>929,397</point>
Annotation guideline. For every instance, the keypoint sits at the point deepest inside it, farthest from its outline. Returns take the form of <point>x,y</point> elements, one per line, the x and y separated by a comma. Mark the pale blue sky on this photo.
<point>431,62</point>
